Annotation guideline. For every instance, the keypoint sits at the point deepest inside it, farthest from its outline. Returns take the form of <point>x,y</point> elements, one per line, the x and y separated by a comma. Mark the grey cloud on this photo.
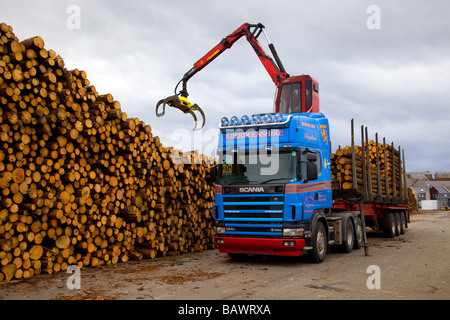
<point>394,80</point>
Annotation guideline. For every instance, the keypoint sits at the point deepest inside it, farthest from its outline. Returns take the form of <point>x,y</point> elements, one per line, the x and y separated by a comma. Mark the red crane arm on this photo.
<point>251,32</point>
<point>276,72</point>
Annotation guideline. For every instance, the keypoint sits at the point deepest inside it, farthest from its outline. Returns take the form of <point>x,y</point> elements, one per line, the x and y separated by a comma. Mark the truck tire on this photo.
<point>359,234</point>
<point>397,223</point>
<point>319,244</point>
<point>389,225</point>
<point>349,236</point>
<point>403,223</point>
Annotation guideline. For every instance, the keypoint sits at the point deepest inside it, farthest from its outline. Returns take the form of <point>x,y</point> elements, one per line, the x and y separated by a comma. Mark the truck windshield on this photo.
<point>253,168</point>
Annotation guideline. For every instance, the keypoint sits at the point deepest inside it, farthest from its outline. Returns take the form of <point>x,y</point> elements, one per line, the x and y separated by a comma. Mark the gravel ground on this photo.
<point>412,266</point>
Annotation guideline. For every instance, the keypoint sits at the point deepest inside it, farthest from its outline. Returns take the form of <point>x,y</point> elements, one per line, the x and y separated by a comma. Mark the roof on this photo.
<point>442,190</point>
<point>431,183</point>
<point>420,190</point>
<point>426,175</point>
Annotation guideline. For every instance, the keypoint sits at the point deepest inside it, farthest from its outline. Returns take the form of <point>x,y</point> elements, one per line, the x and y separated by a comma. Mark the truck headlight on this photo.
<point>293,232</point>
<point>219,230</point>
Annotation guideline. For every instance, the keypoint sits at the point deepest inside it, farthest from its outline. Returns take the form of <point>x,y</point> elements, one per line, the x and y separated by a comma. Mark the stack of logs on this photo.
<point>412,201</point>
<point>80,182</point>
<point>379,162</point>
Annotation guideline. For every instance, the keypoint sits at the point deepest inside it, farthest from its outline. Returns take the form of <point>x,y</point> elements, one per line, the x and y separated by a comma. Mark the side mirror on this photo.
<point>311,157</point>
<point>307,170</point>
<point>214,173</point>
<point>311,170</point>
<point>300,164</point>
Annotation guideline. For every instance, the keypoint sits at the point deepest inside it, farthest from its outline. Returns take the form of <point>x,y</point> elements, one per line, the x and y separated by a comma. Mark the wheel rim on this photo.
<point>349,234</point>
<point>320,242</point>
<point>393,227</point>
<point>403,222</point>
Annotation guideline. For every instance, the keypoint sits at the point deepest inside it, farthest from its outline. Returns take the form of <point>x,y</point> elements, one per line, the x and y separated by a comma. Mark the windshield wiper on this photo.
<point>264,182</point>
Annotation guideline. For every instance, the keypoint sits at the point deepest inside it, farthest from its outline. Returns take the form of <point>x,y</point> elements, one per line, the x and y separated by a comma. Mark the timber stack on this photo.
<point>80,182</point>
<point>412,201</point>
<point>375,170</point>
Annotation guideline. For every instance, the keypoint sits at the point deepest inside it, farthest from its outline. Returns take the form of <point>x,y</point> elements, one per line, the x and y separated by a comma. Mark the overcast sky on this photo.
<point>387,66</point>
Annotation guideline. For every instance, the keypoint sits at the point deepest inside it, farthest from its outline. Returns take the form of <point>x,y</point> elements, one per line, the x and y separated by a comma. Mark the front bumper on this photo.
<point>260,246</point>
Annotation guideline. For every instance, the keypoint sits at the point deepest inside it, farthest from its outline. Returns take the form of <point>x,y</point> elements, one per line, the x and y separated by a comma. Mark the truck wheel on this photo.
<point>319,244</point>
<point>403,223</point>
<point>348,241</point>
<point>397,223</point>
<point>358,234</point>
<point>389,225</point>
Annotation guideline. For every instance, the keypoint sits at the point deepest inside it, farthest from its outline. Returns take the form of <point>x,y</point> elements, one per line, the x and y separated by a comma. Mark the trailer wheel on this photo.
<point>319,244</point>
<point>403,223</point>
<point>389,225</point>
<point>358,234</point>
<point>348,242</point>
<point>397,223</point>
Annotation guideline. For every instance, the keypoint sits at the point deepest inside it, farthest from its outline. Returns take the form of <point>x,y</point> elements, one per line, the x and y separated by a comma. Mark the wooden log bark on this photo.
<point>81,182</point>
<point>381,182</point>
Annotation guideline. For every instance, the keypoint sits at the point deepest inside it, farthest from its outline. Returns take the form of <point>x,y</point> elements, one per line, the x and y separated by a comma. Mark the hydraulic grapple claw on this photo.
<point>171,101</point>
<point>182,104</point>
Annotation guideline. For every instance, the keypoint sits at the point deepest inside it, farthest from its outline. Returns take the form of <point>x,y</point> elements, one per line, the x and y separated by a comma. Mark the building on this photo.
<point>424,187</point>
<point>421,193</point>
<point>413,177</point>
<point>442,176</point>
<point>441,194</point>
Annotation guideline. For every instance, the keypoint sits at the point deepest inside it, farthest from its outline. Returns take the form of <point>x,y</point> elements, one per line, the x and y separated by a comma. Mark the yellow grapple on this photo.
<point>183,104</point>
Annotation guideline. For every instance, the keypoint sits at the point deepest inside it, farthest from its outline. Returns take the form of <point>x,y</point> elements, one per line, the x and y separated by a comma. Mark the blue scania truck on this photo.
<point>274,189</point>
<point>275,195</point>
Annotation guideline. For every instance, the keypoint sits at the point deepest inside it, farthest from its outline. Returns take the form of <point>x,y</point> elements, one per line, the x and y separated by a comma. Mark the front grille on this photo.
<point>253,215</point>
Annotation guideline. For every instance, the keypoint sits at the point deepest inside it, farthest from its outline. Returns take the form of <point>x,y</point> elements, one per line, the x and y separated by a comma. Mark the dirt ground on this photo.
<point>415,265</point>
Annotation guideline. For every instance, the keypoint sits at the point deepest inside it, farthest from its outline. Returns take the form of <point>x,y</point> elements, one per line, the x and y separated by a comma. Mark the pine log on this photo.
<point>81,182</point>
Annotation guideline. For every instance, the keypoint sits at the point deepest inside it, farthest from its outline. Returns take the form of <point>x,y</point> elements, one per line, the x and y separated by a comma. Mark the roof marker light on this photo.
<point>267,117</point>
<point>234,120</point>
<point>245,120</point>
<point>224,122</point>
<point>279,117</point>
<point>256,118</point>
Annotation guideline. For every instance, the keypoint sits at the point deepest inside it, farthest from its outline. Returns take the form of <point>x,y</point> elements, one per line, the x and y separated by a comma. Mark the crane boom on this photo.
<point>251,32</point>
<point>294,93</point>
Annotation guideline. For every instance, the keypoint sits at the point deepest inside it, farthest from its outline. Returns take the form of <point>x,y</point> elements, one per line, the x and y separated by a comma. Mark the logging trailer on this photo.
<point>274,192</point>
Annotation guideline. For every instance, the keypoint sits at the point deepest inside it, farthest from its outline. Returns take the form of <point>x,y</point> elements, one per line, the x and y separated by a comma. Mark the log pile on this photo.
<point>376,171</point>
<point>412,201</point>
<point>341,167</point>
<point>80,182</point>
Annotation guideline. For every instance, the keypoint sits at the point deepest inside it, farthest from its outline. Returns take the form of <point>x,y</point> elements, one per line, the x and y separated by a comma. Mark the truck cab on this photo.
<point>297,94</point>
<point>273,181</point>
